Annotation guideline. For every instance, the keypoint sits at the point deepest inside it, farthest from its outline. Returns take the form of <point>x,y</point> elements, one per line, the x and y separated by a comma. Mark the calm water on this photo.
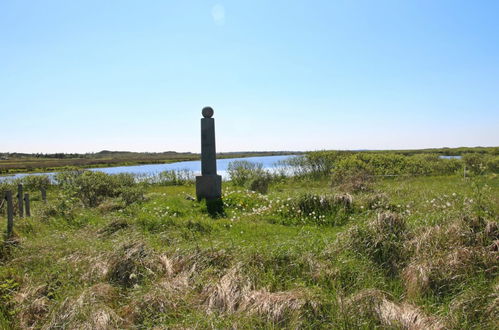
<point>269,162</point>
<point>451,157</point>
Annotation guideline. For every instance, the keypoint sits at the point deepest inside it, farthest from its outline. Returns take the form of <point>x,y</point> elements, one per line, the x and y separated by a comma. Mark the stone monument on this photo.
<point>208,184</point>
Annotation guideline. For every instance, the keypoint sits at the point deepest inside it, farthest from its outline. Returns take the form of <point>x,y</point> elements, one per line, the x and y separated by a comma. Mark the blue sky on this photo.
<point>82,76</point>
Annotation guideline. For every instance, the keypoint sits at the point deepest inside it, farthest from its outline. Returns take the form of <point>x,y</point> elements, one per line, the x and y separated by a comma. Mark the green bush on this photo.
<point>5,186</point>
<point>475,163</point>
<point>64,206</point>
<point>173,178</point>
<point>93,187</point>
<point>323,163</point>
<point>313,165</point>
<point>242,172</point>
<point>261,183</point>
<point>130,195</point>
<point>493,164</point>
<point>35,182</point>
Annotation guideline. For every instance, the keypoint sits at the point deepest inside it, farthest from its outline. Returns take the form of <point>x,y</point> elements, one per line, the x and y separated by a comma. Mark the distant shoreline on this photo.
<point>32,164</point>
<point>15,163</point>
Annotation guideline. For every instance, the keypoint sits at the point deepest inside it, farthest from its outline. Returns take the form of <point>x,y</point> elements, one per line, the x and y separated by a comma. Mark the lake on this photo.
<point>269,163</point>
<point>450,157</point>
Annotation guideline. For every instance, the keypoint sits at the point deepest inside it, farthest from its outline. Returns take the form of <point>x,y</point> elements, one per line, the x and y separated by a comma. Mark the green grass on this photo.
<point>253,267</point>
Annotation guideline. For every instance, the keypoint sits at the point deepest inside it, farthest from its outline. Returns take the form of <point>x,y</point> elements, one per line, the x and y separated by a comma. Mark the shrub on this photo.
<point>249,175</point>
<point>35,182</point>
<point>174,178</point>
<point>493,164</point>
<point>123,179</point>
<point>64,206</point>
<point>323,163</point>
<point>93,187</point>
<point>313,165</point>
<point>261,183</point>
<point>130,195</point>
<point>475,163</point>
<point>241,172</point>
<point>7,185</point>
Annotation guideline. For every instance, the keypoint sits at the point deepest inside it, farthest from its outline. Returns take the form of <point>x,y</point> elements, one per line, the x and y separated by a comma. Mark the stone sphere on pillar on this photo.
<point>207,112</point>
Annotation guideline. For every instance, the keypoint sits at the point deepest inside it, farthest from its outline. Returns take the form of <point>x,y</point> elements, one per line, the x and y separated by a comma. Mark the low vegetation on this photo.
<point>350,240</point>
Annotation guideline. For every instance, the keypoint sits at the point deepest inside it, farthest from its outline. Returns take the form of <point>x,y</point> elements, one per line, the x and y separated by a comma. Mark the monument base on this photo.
<point>208,187</point>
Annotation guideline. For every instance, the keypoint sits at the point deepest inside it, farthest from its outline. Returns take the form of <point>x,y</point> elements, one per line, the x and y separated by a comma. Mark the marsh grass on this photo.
<point>410,252</point>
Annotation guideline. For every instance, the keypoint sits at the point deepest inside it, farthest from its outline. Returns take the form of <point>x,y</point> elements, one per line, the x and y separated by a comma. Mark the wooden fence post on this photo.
<point>44,194</point>
<point>28,209</point>
<point>10,214</point>
<point>20,200</point>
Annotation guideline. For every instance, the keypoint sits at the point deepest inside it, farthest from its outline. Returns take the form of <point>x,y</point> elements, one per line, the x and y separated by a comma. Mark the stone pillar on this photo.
<point>208,184</point>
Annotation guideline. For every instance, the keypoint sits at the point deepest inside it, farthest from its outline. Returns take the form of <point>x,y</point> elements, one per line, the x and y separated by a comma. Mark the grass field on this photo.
<point>406,252</point>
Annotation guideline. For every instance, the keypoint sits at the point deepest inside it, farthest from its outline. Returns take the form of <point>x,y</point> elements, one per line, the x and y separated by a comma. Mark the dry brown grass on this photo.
<point>234,293</point>
<point>95,267</point>
<point>175,282</point>
<point>375,303</point>
<point>110,205</point>
<point>345,200</point>
<point>113,227</point>
<point>227,294</point>
<point>353,182</point>
<point>383,240</point>
<point>90,310</point>
<point>32,303</point>
<point>131,264</point>
<point>178,274</point>
<point>445,256</point>
<point>442,273</point>
<point>492,310</point>
<point>377,201</point>
<point>476,306</point>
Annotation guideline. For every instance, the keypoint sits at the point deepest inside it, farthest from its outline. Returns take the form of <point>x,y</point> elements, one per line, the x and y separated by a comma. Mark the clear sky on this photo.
<point>87,75</point>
